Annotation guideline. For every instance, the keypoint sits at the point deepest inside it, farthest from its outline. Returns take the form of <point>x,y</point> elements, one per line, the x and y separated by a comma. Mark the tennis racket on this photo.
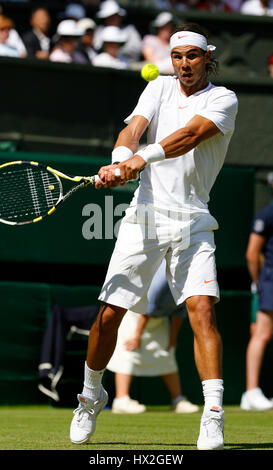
<point>30,191</point>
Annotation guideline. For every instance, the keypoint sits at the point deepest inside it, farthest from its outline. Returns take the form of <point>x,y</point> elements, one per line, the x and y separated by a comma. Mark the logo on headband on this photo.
<point>181,37</point>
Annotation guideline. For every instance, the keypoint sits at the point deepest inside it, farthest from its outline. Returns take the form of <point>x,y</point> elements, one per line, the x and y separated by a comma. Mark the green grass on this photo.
<point>47,428</point>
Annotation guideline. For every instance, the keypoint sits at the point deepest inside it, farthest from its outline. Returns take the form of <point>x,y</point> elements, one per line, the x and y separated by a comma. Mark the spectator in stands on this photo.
<point>73,11</point>
<point>6,24</point>
<point>65,50</point>
<point>111,14</point>
<point>146,346</point>
<point>112,39</point>
<point>37,40</point>
<point>14,40</point>
<point>85,46</point>
<point>156,47</point>
<point>235,5</point>
<point>214,6</point>
<point>260,242</point>
<point>257,7</point>
<point>270,65</point>
<point>176,4</point>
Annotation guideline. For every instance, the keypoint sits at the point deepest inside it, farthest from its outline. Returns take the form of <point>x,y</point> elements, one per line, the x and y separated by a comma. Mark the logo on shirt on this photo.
<point>183,107</point>
<point>210,280</point>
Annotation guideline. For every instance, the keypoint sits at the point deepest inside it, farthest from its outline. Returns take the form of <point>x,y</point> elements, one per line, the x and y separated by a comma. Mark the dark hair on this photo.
<point>213,66</point>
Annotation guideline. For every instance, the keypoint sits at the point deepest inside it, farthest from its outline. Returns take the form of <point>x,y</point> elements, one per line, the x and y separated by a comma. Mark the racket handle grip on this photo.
<point>96,178</point>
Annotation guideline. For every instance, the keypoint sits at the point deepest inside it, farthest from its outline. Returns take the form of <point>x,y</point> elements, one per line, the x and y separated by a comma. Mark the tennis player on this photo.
<point>190,123</point>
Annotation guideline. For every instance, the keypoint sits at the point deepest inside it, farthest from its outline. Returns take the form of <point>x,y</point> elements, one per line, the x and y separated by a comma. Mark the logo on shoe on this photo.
<point>82,399</point>
<point>215,408</point>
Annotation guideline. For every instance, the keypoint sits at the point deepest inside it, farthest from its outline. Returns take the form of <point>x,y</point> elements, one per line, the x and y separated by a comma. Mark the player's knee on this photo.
<point>202,315</point>
<point>111,316</point>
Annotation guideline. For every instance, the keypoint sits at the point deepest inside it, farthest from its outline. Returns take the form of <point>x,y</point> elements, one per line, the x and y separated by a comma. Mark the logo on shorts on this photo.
<point>210,280</point>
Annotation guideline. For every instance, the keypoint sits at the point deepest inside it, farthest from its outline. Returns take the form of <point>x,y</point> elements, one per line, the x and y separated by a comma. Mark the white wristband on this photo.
<point>121,153</point>
<point>152,153</point>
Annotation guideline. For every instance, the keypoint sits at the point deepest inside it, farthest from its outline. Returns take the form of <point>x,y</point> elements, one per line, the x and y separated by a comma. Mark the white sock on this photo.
<point>92,382</point>
<point>177,399</point>
<point>213,390</point>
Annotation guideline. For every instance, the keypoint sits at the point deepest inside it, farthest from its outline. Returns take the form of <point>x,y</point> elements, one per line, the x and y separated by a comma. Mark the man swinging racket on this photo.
<point>190,123</point>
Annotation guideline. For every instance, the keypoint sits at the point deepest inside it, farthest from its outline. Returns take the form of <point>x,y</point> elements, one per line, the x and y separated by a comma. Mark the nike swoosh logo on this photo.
<point>183,107</point>
<point>211,280</point>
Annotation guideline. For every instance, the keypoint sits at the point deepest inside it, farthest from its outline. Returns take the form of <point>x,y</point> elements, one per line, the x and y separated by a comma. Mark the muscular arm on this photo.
<point>253,255</point>
<point>131,134</point>
<point>185,139</point>
<point>178,143</point>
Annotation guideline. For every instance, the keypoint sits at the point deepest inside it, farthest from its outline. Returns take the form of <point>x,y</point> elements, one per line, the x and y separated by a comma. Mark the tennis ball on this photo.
<point>149,72</point>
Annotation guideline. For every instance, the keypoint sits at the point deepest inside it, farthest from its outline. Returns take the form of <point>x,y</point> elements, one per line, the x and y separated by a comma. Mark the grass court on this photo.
<point>43,427</point>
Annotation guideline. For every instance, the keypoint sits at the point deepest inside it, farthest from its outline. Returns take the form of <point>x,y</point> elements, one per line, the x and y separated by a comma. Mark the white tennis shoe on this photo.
<point>127,405</point>
<point>255,400</point>
<point>211,435</point>
<point>185,406</point>
<point>83,424</point>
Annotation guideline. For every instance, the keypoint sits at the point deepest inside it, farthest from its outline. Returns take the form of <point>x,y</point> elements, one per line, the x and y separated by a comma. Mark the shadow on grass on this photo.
<point>138,444</point>
<point>256,446</point>
<point>144,445</point>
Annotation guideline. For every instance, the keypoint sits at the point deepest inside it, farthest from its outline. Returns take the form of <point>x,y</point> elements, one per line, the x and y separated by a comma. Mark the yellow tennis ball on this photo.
<point>51,187</point>
<point>149,72</point>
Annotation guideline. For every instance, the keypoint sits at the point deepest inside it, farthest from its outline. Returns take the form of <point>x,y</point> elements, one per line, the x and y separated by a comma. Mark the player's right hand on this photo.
<point>128,170</point>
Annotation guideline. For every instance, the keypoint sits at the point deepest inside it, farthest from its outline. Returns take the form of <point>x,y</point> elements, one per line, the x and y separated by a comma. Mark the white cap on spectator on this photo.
<point>162,19</point>
<point>113,34</point>
<point>68,28</point>
<point>74,10</point>
<point>109,8</point>
<point>84,24</point>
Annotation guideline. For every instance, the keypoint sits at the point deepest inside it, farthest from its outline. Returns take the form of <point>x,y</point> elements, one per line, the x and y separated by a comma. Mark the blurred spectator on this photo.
<point>65,50</point>
<point>6,24</point>
<point>270,65</point>
<point>176,4</point>
<point>36,40</point>
<point>156,47</point>
<point>235,5</point>
<point>257,7</point>
<point>214,5</point>
<point>87,27</point>
<point>259,257</point>
<point>112,39</point>
<point>111,14</point>
<point>14,40</point>
<point>73,11</point>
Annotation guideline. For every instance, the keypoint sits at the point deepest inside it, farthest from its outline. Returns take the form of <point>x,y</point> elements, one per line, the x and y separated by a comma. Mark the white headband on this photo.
<point>188,38</point>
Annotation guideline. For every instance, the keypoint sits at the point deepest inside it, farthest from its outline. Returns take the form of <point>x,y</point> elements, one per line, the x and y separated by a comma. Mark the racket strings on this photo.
<point>27,192</point>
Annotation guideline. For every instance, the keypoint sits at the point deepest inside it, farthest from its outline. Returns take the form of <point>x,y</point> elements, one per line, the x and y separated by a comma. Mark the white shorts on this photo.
<point>145,237</point>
